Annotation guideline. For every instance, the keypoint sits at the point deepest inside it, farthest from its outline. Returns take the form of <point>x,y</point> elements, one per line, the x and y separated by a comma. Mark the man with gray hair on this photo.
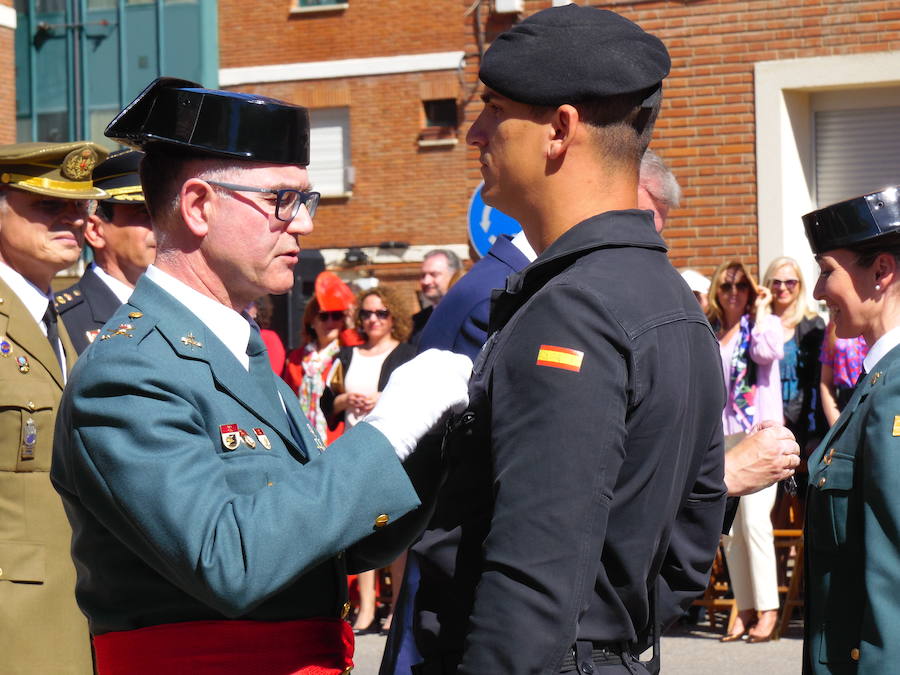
<point>439,267</point>
<point>658,190</point>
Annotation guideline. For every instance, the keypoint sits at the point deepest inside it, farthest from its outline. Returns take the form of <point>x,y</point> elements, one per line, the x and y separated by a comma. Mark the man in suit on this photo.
<point>439,267</point>
<point>123,244</point>
<point>45,201</point>
<point>212,529</point>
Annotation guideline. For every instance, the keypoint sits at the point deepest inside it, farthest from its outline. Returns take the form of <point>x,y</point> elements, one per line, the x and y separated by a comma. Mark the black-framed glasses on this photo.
<point>739,286</point>
<point>287,200</point>
<point>789,284</point>
<point>336,315</point>
<point>380,313</point>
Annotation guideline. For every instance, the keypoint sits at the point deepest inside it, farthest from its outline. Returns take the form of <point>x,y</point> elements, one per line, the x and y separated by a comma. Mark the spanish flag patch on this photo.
<point>560,357</point>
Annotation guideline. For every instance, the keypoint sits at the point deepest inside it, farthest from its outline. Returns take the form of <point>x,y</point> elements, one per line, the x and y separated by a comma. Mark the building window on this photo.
<point>441,121</point>
<point>312,5</point>
<point>329,150</point>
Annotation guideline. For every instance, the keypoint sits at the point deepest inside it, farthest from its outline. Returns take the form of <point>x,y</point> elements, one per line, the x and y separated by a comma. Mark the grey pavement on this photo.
<point>694,650</point>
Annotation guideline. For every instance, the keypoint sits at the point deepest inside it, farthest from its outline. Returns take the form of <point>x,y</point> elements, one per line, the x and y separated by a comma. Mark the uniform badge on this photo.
<point>247,438</point>
<point>76,292</point>
<point>5,347</point>
<point>876,377</point>
<point>560,357</point>
<point>60,300</point>
<point>896,430</point>
<point>263,439</point>
<point>91,335</point>
<point>319,444</point>
<point>135,315</point>
<point>79,164</point>
<point>190,341</point>
<point>29,439</point>
<point>23,364</point>
<point>123,329</point>
<point>230,438</point>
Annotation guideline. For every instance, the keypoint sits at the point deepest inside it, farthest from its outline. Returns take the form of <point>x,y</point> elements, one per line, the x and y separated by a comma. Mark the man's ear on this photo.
<point>197,200</point>
<point>93,232</point>
<point>563,125</point>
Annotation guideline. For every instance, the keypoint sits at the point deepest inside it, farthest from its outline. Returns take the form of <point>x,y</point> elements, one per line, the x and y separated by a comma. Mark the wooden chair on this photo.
<point>787,518</point>
<point>714,597</point>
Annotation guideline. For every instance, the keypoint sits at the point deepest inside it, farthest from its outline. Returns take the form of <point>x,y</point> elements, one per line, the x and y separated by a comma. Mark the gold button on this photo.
<point>822,481</point>
<point>31,405</point>
<point>854,654</point>
<point>382,520</point>
<point>876,377</point>
<point>135,315</point>
<point>345,610</point>
<point>269,483</point>
<point>1,571</point>
<point>828,457</point>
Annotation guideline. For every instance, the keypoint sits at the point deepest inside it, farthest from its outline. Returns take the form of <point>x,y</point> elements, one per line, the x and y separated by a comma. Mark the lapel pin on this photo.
<point>29,439</point>
<point>91,335</point>
<point>247,438</point>
<point>229,436</point>
<point>876,377</point>
<point>263,439</point>
<point>319,444</point>
<point>121,330</point>
<point>190,341</point>
<point>24,366</point>
<point>5,347</point>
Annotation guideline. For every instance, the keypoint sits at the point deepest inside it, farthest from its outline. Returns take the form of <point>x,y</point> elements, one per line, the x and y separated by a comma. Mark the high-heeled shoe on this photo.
<point>756,639</point>
<point>371,629</point>
<point>734,637</point>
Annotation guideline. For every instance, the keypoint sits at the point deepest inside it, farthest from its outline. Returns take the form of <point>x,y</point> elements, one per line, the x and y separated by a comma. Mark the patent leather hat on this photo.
<point>854,221</point>
<point>183,114</point>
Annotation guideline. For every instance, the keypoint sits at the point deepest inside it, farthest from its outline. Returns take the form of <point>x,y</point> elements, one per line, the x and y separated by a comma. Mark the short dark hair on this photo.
<point>623,126</point>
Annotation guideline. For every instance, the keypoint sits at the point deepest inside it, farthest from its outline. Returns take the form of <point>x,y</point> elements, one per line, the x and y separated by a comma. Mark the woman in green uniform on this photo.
<point>853,509</point>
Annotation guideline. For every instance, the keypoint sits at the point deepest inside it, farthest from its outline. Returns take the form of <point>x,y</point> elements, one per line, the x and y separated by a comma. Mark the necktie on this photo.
<point>50,318</point>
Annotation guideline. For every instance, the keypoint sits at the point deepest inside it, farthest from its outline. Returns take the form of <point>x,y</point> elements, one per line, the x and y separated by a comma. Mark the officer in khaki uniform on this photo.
<point>45,193</point>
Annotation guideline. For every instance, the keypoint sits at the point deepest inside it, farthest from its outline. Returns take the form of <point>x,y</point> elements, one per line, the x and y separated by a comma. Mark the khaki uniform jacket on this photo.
<point>41,628</point>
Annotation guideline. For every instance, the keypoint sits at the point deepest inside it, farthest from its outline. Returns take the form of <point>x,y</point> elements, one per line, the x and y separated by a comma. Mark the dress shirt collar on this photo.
<point>227,325</point>
<point>119,288</point>
<point>34,299</point>
<point>884,344</point>
<point>521,243</point>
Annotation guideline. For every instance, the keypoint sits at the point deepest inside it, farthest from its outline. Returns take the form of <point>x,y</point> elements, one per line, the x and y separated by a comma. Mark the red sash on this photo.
<point>305,647</point>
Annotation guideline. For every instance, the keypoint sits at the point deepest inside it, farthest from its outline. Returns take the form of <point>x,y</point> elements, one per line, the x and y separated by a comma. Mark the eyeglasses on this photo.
<point>380,313</point>
<point>287,200</point>
<point>740,286</point>
<point>331,316</point>
<point>789,284</point>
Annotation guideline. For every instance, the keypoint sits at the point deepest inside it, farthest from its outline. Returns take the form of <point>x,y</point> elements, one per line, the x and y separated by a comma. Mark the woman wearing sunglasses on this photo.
<point>384,321</point>
<point>751,345</point>
<point>853,502</point>
<point>803,332</point>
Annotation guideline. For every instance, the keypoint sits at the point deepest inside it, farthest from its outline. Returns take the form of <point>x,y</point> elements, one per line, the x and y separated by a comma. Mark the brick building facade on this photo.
<point>738,124</point>
<point>7,75</point>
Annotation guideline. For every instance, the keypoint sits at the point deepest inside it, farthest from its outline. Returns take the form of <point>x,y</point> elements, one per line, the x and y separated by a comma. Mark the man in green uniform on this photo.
<point>45,193</point>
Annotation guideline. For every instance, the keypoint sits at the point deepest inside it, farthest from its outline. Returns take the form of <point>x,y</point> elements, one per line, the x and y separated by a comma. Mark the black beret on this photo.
<point>854,221</point>
<point>118,176</point>
<point>573,54</point>
<point>182,114</point>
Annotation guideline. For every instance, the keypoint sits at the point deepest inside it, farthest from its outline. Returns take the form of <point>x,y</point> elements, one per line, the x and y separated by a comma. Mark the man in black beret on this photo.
<point>212,531</point>
<point>121,239</point>
<point>584,492</point>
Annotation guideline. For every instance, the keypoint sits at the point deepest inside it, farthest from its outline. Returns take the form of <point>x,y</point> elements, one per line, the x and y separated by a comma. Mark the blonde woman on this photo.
<point>803,331</point>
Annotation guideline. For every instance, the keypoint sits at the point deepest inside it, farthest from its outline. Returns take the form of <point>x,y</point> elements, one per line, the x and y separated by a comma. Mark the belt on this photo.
<point>303,647</point>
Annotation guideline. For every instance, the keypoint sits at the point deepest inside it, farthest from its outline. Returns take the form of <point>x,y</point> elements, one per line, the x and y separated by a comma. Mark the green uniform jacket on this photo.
<point>853,533</point>
<point>179,516</point>
<point>41,629</point>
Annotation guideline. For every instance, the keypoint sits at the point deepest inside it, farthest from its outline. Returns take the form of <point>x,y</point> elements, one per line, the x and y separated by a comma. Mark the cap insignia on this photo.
<point>79,164</point>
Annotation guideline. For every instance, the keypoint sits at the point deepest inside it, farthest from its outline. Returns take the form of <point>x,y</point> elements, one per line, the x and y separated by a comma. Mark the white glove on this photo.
<point>417,396</point>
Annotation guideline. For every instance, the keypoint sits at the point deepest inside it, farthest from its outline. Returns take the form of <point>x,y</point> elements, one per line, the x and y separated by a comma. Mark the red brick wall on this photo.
<point>7,83</point>
<point>264,33</point>
<point>706,131</point>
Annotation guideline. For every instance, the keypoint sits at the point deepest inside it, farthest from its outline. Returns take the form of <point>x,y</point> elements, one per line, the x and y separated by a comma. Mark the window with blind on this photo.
<point>856,151</point>
<point>329,151</point>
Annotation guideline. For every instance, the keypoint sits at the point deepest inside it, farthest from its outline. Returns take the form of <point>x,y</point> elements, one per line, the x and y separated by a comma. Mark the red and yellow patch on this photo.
<point>560,357</point>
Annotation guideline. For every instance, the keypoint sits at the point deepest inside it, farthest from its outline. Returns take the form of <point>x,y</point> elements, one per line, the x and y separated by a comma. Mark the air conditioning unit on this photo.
<point>508,6</point>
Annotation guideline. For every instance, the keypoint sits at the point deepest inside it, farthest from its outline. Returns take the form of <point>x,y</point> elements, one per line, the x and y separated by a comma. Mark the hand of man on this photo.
<point>765,456</point>
<point>417,396</point>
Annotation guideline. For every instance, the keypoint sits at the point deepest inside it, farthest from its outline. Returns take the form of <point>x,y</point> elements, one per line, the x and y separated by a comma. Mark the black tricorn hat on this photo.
<point>854,221</point>
<point>183,114</point>
<point>118,176</point>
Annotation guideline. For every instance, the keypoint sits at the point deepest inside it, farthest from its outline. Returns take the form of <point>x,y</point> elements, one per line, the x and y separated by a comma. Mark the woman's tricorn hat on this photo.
<point>854,221</point>
<point>183,114</point>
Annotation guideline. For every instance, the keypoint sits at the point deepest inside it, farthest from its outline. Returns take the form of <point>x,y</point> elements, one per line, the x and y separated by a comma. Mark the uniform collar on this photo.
<point>226,324</point>
<point>34,299</point>
<point>877,351</point>
<point>121,290</point>
<point>631,227</point>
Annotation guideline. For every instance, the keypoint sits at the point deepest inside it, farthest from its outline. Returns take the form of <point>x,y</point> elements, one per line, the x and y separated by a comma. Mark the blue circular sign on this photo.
<point>487,223</point>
